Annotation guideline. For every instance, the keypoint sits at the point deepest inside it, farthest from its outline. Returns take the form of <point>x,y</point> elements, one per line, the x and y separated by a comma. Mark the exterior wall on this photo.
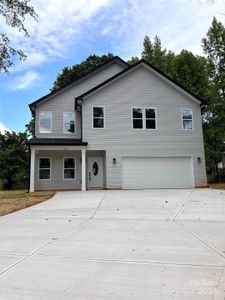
<point>57,182</point>
<point>141,87</point>
<point>64,101</point>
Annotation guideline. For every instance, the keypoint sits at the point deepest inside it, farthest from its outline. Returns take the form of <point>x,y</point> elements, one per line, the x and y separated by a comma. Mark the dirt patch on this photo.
<point>220,186</point>
<point>11,201</point>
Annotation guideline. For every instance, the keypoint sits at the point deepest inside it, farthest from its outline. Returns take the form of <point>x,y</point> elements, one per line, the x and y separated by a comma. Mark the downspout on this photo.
<point>33,115</point>
<point>28,188</point>
<point>78,103</point>
<point>81,123</point>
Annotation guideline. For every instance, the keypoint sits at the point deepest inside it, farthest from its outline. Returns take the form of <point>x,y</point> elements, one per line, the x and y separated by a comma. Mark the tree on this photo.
<point>155,54</point>
<point>14,12</point>
<point>214,117</point>
<point>30,127</point>
<point>68,74</point>
<point>14,158</point>
<point>191,71</point>
<point>133,60</point>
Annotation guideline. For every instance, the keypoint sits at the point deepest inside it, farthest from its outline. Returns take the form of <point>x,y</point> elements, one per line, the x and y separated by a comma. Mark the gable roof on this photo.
<point>142,61</point>
<point>114,59</point>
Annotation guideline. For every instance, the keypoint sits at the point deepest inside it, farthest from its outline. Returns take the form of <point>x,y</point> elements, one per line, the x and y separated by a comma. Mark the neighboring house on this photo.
<point>221,165</point>
<point>118,126</point>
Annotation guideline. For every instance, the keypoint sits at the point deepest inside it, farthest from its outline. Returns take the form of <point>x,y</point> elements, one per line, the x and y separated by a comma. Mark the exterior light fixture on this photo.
<point>199,160</point>
<point>114,160</point>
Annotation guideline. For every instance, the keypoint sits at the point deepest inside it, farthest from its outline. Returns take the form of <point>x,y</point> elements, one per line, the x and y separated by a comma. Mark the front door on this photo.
<point>95,172</point>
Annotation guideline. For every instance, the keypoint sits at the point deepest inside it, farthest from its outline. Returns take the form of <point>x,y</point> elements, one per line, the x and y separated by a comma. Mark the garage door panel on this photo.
<point>157,172</point>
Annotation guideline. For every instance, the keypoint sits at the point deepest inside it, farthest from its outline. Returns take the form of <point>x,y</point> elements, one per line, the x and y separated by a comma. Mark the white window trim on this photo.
<point>156,121</point>
<point>75,169</point>
<point>75,127</point>
<point>101,106</point>
<point>50,159</point>
<point>144,118</point>
<point>181,112</point>
<point>137,118</point>
<point>39,116</point>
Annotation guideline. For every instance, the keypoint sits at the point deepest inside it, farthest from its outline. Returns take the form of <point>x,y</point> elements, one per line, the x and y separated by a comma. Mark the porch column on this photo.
<point>83,169</point>
<point>32,164</point>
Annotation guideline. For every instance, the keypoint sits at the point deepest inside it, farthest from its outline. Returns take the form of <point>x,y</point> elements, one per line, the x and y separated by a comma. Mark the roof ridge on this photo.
<point>152,67</point>
<point>33,104</point>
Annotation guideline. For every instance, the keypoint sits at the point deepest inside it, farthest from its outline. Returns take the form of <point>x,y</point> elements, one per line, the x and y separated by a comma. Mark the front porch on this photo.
<point>66,168</point>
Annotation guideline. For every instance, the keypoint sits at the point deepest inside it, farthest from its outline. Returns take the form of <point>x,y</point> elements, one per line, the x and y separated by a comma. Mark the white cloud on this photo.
<point>26,81</point>
<point>180,24</point>
<point>3,128</point>
<point>60,26</point>
<point>65,28</point>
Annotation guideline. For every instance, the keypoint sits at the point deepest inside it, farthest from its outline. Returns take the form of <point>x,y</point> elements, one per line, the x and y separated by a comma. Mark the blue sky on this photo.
<point>69,31</point>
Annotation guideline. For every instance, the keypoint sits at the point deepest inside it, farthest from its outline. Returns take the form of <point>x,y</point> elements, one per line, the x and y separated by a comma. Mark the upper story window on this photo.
<point>143,118</point>
<point>44,168</point>
<point>45,122</point>
<point>150,118</point>
<point>69,122</point>
<point>98,117</point>
<point>187,119</point>
<point>69,168</point>
<point>137,118</point>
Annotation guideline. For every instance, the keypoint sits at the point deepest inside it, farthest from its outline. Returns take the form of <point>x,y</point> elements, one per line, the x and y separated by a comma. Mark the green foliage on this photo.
<point>69,74</point>
<point>30,127</point>
<point>14,158</point>
<point>191,71</point>
<point>156,55</point>
<point>14,13</point>
<point>214,48</point>
<point>214,117</point>
<point>133,60</point>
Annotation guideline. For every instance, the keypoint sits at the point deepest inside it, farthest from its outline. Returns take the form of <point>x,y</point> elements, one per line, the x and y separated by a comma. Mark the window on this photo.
<point>137,118</point>
<point>44,168</point>
<point>187,119</point>
<point>144,118</point>
<point>45,121</point>
<point>150,118</point>
<point>69,122</point>
<point>98,117</point>
<point>69,168</point>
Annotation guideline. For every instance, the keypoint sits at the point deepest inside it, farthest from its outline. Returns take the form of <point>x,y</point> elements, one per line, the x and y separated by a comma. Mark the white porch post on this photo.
<point>83,169</point>
<point>32,164</point>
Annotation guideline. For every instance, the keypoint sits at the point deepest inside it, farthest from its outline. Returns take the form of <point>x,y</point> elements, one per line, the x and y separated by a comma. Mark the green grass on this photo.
<point>13,200</point>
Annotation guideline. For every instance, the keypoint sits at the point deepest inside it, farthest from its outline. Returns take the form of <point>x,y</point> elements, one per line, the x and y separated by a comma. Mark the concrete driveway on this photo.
<point>151,244</point>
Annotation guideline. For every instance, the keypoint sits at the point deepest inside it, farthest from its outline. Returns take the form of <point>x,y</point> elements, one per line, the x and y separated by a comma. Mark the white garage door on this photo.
<point>156,172</point>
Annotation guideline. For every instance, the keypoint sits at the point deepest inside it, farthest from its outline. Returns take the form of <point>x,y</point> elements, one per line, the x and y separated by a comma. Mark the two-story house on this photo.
<point>118,126</point>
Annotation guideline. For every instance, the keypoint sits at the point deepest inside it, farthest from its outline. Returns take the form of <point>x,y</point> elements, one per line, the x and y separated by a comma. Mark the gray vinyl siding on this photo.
<point>141,87</point>
<point>57,181</point>
<point>64,102</point>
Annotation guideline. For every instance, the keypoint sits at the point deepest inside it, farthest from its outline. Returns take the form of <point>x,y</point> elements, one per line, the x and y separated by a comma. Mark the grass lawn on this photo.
<point>220,186</point>
<point>14,200</point>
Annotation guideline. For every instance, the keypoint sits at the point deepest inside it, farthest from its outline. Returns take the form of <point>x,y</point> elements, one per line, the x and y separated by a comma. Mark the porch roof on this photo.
<point>56,142</point>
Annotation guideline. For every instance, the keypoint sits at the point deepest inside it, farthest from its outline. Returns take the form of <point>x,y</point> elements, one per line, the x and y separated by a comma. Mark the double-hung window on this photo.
<point>143,118</point>
<point>150,118</point>
<point>44,168</point>
<point>68,122</point>
<point>45,121</point>
<point>98,117</point>
<point>137,114</point>
<point>69,168</point>
<point>187,119</point>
